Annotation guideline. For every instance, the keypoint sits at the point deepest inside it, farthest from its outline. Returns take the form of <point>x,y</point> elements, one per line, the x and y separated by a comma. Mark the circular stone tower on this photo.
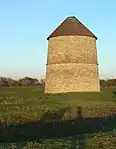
<point>72,64</point>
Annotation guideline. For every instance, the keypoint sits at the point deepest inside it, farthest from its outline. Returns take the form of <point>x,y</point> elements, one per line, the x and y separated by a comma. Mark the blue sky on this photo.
<point>25,25</point>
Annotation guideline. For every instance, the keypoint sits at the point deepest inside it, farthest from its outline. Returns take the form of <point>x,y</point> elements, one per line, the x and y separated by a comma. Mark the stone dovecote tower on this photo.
<point>72,64</point>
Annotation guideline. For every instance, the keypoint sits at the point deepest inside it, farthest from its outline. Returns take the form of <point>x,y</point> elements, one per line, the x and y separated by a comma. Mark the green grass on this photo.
<point>27,104</point>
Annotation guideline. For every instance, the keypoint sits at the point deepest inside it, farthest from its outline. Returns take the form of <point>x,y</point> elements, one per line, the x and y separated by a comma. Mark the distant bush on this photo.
<point>107,83</point>
<point>103,84</point>
<point>26,81</point>
<point>42,82</point>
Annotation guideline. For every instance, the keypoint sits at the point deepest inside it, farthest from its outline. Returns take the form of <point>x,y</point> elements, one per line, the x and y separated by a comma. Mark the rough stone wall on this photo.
<point>72,65</point>
<point>72,49</point>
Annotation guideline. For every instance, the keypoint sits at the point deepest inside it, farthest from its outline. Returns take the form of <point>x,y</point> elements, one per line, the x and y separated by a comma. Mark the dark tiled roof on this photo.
<point>72,26</point>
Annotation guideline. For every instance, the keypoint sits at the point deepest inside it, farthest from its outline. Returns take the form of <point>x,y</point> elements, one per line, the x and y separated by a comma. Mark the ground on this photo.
<point>31,119</point>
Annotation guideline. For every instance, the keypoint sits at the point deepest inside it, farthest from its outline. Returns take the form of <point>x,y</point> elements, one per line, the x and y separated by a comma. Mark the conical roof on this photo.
<point>72,26</point>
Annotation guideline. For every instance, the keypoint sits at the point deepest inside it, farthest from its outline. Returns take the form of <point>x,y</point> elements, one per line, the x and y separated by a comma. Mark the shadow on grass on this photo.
<point>51,129</point>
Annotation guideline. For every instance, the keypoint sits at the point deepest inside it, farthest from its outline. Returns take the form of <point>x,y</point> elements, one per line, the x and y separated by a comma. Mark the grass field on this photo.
<point>31,119</point>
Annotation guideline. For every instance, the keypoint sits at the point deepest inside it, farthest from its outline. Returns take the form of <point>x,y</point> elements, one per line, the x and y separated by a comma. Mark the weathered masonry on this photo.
<point>72,64</point>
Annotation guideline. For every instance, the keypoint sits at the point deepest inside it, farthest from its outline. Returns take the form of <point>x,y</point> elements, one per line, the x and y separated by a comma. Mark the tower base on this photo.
<point>72,77</point>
